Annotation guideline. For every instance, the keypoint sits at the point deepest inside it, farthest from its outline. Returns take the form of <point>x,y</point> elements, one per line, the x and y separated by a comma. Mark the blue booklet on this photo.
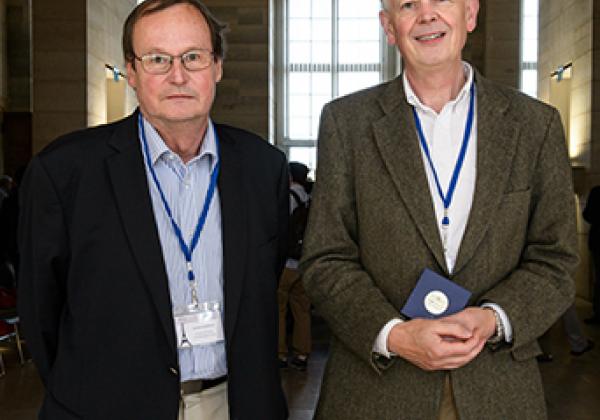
<point>434,297</point>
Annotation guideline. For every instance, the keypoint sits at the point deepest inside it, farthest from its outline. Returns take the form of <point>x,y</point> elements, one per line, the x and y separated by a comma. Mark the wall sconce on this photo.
<point>116,73</point>
<point>561,72</point>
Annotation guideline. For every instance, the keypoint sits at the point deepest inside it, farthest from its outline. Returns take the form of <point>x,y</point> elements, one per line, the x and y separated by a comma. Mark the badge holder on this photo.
<point>199,324</point>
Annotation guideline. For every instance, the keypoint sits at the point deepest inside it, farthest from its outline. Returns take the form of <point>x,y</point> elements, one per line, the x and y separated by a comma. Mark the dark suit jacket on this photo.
<point>94,296</point>
<point>372,230</point>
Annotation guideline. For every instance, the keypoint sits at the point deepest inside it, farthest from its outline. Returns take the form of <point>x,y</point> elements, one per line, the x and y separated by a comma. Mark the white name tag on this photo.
<point>198,328</point>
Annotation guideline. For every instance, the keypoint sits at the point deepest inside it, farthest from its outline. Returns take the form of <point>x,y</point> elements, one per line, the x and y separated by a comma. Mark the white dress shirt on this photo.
<point>444,133</point>
<point>185,186</point>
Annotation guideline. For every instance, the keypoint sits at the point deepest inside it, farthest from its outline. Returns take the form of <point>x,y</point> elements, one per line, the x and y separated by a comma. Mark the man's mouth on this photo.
<point>179,96</point>
<point>430,37</point>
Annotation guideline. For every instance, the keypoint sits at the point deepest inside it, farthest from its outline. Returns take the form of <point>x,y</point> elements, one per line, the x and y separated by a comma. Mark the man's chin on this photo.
<point>182,117</point>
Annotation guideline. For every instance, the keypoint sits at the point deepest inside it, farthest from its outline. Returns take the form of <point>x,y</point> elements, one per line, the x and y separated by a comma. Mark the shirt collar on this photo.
<point>158,148</point>
<point>413,99</point>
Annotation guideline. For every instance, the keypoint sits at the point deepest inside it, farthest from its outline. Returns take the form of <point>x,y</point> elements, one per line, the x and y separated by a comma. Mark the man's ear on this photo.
<point>218,70</point>
<point>471,10</point>
<point>131,79</point>
<point>388,28</point>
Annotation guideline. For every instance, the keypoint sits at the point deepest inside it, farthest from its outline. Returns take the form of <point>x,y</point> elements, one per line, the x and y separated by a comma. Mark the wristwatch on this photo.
<point>499,334</point>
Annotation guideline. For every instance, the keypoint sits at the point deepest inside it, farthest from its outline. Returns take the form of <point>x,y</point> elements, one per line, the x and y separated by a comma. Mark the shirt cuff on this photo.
<point>508,333</point>
<point>380,345</point>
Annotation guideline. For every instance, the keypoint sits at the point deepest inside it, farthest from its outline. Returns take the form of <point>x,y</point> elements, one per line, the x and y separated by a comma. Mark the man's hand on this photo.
<point>447,343</point>
<point>481,322</point>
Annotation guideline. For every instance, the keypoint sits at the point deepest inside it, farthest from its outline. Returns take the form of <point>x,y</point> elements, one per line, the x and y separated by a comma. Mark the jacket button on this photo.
<point>174,371</point>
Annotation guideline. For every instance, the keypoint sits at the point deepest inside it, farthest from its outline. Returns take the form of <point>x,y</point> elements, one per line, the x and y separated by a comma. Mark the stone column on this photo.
<point>243,94</point>
<point>59,69</point>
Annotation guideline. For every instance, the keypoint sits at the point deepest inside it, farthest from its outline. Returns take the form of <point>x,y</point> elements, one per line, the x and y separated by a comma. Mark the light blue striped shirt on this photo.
<point>185,187</point>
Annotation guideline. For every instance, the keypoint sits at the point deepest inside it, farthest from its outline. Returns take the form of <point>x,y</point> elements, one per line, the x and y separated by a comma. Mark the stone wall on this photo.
<point>593,177</point>
<point>105,20</point>
<point>243,94</point>
<point>565,36</point>
<point>18,48</point>
<point>501,45</point>
<point>59,69</point>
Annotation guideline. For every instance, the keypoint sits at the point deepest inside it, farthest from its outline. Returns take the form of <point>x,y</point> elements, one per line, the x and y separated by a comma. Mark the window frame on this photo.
<point>389,62</point>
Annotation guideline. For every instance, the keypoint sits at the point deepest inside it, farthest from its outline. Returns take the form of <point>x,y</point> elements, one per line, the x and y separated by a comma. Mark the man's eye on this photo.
<point>192,57</point>
<point>408,5</point>
<point>158,59</point>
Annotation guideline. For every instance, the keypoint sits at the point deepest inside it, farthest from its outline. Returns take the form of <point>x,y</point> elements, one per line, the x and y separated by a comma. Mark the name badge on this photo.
<point>435,296</point>
<point>199,326</point>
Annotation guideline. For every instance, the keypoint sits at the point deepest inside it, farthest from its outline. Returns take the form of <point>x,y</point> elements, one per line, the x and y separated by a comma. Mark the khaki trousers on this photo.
<point>210,404</point>
<point>292,291</point>
<point>448,406</point>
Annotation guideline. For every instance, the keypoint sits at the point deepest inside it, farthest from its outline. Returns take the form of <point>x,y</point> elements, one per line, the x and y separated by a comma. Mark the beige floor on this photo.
<point>572,384</point>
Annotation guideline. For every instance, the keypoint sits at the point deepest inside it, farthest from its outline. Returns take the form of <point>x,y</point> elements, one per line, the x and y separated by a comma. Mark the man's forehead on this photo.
<point>171,28</point>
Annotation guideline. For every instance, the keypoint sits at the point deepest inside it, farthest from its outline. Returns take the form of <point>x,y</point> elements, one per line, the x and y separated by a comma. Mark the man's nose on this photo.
<point>427,11</point>
<point>178,73</point>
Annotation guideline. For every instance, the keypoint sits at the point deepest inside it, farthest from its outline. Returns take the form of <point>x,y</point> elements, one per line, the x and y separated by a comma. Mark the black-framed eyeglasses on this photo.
<point>160,63</point>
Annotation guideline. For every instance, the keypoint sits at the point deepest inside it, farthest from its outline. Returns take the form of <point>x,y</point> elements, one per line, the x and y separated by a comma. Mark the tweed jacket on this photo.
<point>372,230</point>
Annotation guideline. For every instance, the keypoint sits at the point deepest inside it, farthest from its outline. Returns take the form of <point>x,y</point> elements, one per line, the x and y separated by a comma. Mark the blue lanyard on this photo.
<point>447,198</point>
<point>187,251</point>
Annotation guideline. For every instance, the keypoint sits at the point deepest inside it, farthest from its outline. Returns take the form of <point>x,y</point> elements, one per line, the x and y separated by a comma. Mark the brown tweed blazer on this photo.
<point>372,230</point>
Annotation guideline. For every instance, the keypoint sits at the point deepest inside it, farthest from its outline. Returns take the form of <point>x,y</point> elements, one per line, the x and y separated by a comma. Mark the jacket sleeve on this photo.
<point>541,287</point>
<point>43,249</point>
<point>335,280</point>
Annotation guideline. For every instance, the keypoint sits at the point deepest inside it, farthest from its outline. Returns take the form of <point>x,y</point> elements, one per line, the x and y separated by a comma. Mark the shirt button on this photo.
<point>174,371</point>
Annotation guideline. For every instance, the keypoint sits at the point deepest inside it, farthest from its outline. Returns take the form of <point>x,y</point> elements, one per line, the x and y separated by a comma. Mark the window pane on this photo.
<point>321,8</point>
<point>529,46</point>
<point>299,106</point>
<point>321,84</point>
<point>359,8</point>
<point>530,7</point>
<point>299,8</point>
<point>299,128</point>
<point>306,155</point>
<point>354,52</point>
<point>350,82</point>
<point>321,29</point>
<point>359,29</point>
<point>310,52</point>
<point>530,27</point>
<point>530,50</point>
<point>299,83</point>
<point>299,52</point>
<point>321,52</point>
<point>300,30</point>
<point>529,82</point>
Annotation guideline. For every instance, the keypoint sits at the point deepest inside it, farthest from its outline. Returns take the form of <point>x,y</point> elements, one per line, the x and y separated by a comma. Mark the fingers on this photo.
<point>451,361</point>
<point>449,328</point>
<point>436,344</point>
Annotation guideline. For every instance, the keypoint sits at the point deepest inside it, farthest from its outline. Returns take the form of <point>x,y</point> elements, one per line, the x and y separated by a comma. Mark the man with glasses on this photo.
<point>439,173</point>
<point>152,247</point>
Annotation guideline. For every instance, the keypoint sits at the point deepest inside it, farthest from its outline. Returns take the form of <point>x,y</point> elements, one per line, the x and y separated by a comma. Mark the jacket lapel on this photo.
<point>396,138</point>
<point>128,177</point>
<point>496,144</point>
<point>233,222</point>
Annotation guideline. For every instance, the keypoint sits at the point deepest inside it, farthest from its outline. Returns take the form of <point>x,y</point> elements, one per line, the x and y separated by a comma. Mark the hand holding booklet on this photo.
<point>435,296</point>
